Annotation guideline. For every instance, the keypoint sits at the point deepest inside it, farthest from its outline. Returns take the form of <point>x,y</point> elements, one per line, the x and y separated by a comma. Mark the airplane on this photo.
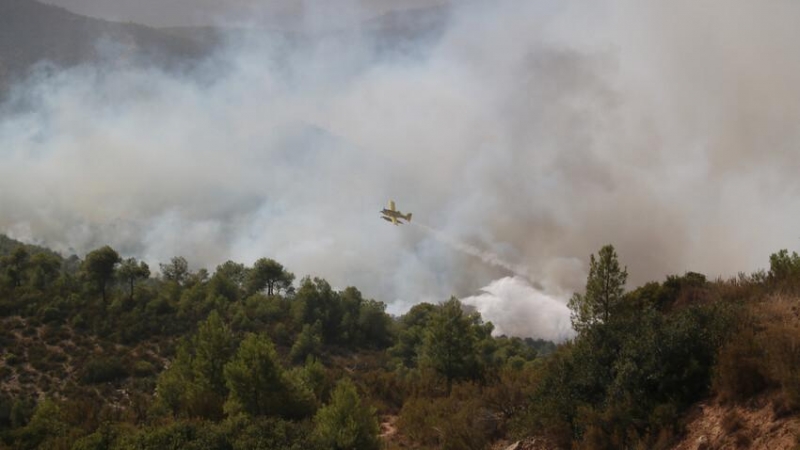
<point>391,214</point>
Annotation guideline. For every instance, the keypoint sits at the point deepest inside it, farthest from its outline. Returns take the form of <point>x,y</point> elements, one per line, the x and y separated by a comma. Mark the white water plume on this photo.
<point>486,256</point>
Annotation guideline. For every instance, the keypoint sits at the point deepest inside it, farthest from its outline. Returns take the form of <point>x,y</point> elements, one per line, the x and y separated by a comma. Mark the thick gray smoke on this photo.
<point>284,14</point>
<point>487,257</point>
<point>535,131</point>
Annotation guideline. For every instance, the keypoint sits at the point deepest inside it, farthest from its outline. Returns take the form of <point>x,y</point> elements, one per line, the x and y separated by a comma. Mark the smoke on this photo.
<point>487,257</point>
<point>516,307</point>
<point>528,134</point>
<point>273,13</point>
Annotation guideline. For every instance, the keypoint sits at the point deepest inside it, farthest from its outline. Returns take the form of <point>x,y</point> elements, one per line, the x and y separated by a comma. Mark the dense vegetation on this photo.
<point>98,353</point>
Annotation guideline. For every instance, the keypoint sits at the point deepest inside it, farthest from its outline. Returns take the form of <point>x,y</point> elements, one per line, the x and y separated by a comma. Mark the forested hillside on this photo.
<point>106,352</point>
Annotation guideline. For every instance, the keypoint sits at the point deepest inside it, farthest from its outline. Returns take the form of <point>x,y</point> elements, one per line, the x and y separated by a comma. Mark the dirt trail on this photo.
<point>388,427</point>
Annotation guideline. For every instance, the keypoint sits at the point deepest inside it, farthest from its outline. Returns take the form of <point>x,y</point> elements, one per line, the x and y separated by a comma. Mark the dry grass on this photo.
<point>732,422</point>
<point>765,353</point>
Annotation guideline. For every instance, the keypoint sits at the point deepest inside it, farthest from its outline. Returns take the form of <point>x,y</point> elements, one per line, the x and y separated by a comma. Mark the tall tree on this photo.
<point>782,265</point>
<point>44,268</point>
<point>100,265</point>
<point>15,265</point>
<point>450,346</point>
<point>317,301</point>
<point>130,271</point>
<point>260,386</point>
<point>176,270</point>
<point>194,384</point>
<point>411,333</point>
<point>605,287</point>
<point>269,274</point>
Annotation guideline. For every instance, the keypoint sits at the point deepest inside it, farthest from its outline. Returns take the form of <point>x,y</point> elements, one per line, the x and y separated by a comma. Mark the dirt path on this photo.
<point>388,427</point>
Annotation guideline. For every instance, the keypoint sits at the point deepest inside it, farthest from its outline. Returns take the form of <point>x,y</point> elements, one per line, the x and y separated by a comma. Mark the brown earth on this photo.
<point>754,426</point>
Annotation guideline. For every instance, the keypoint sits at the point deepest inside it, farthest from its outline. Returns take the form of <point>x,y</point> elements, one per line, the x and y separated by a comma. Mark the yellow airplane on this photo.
<point>391,214</point>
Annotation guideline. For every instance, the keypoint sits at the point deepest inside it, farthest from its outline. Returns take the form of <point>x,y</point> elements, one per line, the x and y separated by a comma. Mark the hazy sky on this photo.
<point>275,13</point>
<point>526,137</point>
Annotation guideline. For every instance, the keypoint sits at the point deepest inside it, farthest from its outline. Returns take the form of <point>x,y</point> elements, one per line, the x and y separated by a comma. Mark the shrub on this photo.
<point>779,340</point>
<point>189,435</point>
<point>346,423</point>
<point>731,422</point>
<point>267,433</point>
<point>143,368</point>
<point>103,370</point>
<point>738,374</point>
<point>458,421</point>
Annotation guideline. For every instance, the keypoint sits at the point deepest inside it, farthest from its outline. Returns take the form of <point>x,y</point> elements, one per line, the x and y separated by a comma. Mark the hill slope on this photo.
<point>31,32</point>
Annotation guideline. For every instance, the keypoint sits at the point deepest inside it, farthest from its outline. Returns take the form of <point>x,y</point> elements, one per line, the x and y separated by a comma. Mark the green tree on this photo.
<point>450,343</point>
<point>100,265</point>
<point>228,281</point>
<point>176,270</point>
<point>194,385</point>
<point>269,274</point>
<point>45,426</point>
<point>233,271</point>
<point>605,287</point>
<point>317,301</point>
<point>345,422</point>
<point>15,265</point>
<point>130,271</point>
<point>783,265</point>
<point>44,269</point>
<point>213,345</point>
<point>309,342</point>
<point>374,325</point>
<point>411,333</point>
<point>260,386</point>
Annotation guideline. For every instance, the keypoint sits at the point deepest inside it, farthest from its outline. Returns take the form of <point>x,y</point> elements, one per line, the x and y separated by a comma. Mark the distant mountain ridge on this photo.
<point>31,32</point>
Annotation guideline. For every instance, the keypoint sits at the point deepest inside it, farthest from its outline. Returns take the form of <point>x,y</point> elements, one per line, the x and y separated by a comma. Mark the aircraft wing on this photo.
<point>391,214</point>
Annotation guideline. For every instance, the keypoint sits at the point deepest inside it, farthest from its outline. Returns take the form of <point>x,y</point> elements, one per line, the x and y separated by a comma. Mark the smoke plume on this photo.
<point>487,257</point>
<point>528,134</point>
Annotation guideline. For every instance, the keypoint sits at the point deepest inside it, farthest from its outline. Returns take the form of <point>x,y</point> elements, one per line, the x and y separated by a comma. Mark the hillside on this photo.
<point>31,32</point>
<point>99,352</point>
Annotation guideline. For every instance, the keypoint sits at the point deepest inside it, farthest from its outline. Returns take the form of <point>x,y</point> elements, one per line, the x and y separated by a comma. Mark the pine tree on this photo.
<point>605,287</point>
<point>345,422</point>
<point>260,386</point>
<point>449,346</point>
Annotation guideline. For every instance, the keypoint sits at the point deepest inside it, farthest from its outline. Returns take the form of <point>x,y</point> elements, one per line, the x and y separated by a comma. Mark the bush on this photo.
<point>308,343</point>
<point>782,359</point>
<point>763,354</point>
<point>346,423</point>
<point>143,368</point>
<point>13,359</point>
<point>267,433</point>
<point>458,421</point>
<point>103,370</point>
<point>189,435</point>
<point>739,372</point>
<point>731,422</point>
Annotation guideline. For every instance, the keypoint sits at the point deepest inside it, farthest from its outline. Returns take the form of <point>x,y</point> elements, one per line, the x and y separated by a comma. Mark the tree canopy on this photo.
<point>605,287</point>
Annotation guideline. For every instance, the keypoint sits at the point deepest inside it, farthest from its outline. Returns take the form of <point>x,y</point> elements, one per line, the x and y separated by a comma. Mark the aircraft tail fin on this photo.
<point>408,217</point>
